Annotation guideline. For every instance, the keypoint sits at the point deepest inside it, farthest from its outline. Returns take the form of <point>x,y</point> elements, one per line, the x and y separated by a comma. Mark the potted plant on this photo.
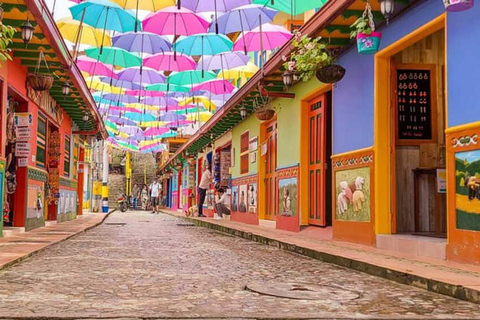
<point>40,81</point>
<point>363,29</point>
<point>457,5</point>
<point>311,57</point>
<point>6,38</point>
<point>262,105</point>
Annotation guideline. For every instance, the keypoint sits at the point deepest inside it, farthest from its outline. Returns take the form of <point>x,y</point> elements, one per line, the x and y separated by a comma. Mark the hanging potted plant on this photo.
<point>311,57</point>
<point>368,40</point>
<point>262,105</point>
<point>40,81</point>
<point>457,5</point>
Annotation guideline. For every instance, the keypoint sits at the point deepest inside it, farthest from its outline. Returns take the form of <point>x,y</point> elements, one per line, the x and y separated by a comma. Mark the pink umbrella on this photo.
<point>95,68</point>
<point>179,123</point>
<point>155,131</point>
<point>175,21</point>
<point>264,37</point>
<point>124,109</point>
<point>176,108</point>
<point>217,86</point>
<point>144,93</point>
<point>170,61</point>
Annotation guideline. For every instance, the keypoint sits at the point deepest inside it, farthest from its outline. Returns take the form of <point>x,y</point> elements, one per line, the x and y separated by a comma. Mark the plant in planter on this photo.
<point>6,38</point>
<point>458,5</point>
<point>40,81</point>
<point>368,40</point>
<point>264,110</point>
<point>310,57</point>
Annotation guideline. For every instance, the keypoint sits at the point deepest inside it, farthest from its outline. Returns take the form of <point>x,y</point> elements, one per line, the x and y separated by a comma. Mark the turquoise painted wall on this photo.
<point>252,124</point>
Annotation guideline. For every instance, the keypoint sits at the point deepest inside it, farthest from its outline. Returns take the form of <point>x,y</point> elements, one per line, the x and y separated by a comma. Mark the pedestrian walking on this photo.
<point>154,194</point>
<point>145,197</point>
<point>135,196</point>
<point>203,187</point>
<point>221,204</point>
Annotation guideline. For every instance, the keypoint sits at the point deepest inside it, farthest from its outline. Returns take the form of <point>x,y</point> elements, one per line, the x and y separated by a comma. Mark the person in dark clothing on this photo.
<point>203,187</point>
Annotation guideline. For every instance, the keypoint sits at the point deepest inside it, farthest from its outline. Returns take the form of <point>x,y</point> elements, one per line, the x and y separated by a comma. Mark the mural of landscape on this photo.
<point>288,197</point>
<point>467,198</point>
<point>352,191</point>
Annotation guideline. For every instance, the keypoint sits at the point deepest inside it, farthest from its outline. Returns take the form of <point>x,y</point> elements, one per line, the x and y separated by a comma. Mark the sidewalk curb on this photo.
<point>452,290</point>
<point>28,255</point>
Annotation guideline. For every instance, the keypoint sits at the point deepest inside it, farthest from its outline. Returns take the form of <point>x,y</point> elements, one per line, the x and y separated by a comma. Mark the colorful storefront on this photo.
<point>43,132</point>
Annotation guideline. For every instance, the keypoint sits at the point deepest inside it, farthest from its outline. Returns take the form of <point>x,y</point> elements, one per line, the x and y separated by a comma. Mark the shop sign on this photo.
<point>23,119</point>
<point>253,144</point>
<point>23,133</point>
<point>22,149</point>
<point>22,162</point>
<point>441,181</point>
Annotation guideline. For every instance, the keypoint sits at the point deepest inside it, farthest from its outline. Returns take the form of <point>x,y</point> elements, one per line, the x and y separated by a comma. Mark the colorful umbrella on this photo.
<point>147,5</point>
<point>169,61</point>
<point>264,37</point>
<point>139,117</point>
<point>71,29</point>
<point>162,87</point>
<point>170,117</point>
<point>240,72</point>
<point>155,131</point>
<point>115,56</point>
<point>223,61</point>
<point>207,103</point>
<point>292,7</point>
<point>122,121</point>
<point>216,86</point>
<point>94,67</point>
<point>203,44</point>
<point>121,83</point>
<point>94,83</point>
<point>143,42</point>
<point>131,130</point>
<point>160,101</point>
<point>119,98</point>
<point>144,93</point>
<point>179,123</point>
<point>141,75</point>
<point>174,21</point>
<point>186,78</point>
<point>201,116</point>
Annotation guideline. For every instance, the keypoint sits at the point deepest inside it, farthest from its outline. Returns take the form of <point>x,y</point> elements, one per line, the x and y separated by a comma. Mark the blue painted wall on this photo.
<point>353,96</point>
<point>463,63</point>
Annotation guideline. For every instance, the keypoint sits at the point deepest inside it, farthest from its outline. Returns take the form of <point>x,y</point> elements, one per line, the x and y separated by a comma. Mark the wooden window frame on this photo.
<point>67,157</point>
<point>244,152</point>
<point>41,141</point>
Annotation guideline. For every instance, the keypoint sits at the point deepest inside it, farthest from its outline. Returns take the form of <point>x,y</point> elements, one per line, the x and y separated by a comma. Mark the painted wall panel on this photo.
<point>463,66</point>
<point>253,126</point>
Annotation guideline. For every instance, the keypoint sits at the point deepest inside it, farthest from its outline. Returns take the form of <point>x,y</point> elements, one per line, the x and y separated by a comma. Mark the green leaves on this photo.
<point>361,25</point>
<point>6,38</point>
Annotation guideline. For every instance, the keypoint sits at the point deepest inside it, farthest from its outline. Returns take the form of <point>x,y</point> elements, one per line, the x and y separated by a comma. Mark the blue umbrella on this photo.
<point>139,117</point>
<point>203,44</point>
<point>143,42</point>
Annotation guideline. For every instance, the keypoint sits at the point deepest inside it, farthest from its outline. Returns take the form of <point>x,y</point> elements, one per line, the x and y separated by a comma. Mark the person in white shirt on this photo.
<point>154,194</point>
<point>203,187</point>
<point>221,203</point>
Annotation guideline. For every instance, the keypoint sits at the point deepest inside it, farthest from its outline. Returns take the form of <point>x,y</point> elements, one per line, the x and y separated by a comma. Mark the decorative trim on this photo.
<point>464,141</point>
<point>352,161</point>
<point>38,175</point>
<point>64,182</point>
<point>288,172</point>
<point>245,180</point>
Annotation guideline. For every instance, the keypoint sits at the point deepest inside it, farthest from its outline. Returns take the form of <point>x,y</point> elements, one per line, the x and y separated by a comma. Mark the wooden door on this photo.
<point>270,170</point>
<point>317,161</point>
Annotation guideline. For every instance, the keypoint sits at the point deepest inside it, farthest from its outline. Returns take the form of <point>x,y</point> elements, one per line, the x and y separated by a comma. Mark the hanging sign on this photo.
<point>22,162</point>
<point>253,144</point>
<point>441,181</point>
<point>23,133</point>
<point>22,149</point>
<point>23,119</point>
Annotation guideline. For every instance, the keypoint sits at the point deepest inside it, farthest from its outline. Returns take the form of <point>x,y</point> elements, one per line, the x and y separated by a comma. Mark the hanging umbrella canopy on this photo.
<point>144,93</point>
<point>160,101</point>
<point>292,7</point>
<point>221,61</point>
<point>143,107</point>
<point>179,123</point>
<point>139,117</point>
<point>244,18</point>
<point>142,42</point>
<point>207,103</point>
<point>131,130</point>
<point>201,116</point>
<point>141,75</point>
<point>174,21</point>
<point>155,131</point>
<point>105,15</point>
<point>95,68</point>
<point>112,126</point>
<point>122,121</point>
<point>115,56</point>
<point>70,30</point>
<point>119,98</point>
<point>94,83</point>
<point>170,117</point>
<point>213,5</point>
<point>216,86</point>
<point>162,87</point>
<point>121,83</point>
<point>240,72</point>
<point>188,78</point>
<point>177,109</point>
<point>265,37</point>
<point>148,5</point>
<point>203,44</point>
<point>169,61</point>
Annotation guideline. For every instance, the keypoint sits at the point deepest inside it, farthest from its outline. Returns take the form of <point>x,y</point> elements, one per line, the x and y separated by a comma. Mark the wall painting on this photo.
<point>467,197</point>
<point>352,190</point>
<point>288,197</point>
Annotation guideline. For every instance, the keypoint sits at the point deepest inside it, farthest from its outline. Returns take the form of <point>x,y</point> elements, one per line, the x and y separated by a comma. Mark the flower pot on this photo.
<point>40,82</point>
<point>457,5</point>
<point>368,44</point>
<point>330,74</point>
<point>265,114</point>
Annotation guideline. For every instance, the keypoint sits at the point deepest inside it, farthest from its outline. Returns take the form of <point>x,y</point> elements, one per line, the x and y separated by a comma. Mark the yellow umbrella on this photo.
<point>149,124</point>
<point>123,135</point>
<point>141,106</point>
<point>202,116</point>
<point>89,35</point>
<point>207,103</point>
<point>149,5</point>
<point>94,83</point>
<point>240,72</point>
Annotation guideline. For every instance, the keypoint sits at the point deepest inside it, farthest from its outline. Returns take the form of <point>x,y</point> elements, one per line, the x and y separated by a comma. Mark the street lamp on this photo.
<point>27,32</point>
<point>387,7</point>
<point>243,112</point>
<point>65,89</point>
<point>287,78</point>
<point>85,117</point>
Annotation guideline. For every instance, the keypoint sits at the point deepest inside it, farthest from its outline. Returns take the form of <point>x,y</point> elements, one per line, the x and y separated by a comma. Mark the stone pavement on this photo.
<point>138,265</point>
<point>22,245</point>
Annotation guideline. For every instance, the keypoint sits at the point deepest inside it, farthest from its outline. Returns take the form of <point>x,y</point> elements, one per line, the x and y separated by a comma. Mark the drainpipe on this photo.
<point>105,180</point>
<point>128,174</point>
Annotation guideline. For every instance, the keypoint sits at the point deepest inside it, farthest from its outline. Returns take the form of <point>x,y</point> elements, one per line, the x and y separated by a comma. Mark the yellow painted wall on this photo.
<point>252,124</point>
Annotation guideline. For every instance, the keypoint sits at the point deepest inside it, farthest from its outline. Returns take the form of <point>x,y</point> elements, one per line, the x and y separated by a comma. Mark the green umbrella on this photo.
<point>165,87</point>
<point>189,110</point>
<point>185,78</point>
<point>115,56</point>
<point>292,7</point>
<point>111,125</point>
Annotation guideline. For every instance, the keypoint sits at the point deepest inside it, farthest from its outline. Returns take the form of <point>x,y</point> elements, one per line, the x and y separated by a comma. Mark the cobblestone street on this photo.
<point>138,265</point>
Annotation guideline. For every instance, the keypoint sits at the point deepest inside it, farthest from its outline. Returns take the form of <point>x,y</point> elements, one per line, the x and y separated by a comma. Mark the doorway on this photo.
<point>418,137</point>
<point>270,179</point>
<point>319,163</point>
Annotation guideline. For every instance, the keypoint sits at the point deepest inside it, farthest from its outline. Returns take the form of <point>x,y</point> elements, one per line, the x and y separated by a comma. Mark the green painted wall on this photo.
<point>288,123</point>
<point>252,124</point>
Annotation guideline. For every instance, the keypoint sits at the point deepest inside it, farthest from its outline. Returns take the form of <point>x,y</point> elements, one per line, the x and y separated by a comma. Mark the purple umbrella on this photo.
<point>119,98</point>
<point>122,121</point>
<point>222,61</point>
<point>121,84</point>
<point>160,101</point>
<point>143,42</point>
<point>213,5</point>
<point>171,117</point>
<point>133,130</point>
<point>141,75</point>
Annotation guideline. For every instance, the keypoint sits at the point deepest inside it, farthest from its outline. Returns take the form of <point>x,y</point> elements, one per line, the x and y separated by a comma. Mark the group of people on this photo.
<point>221,199</point>
<point>147,196</point>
